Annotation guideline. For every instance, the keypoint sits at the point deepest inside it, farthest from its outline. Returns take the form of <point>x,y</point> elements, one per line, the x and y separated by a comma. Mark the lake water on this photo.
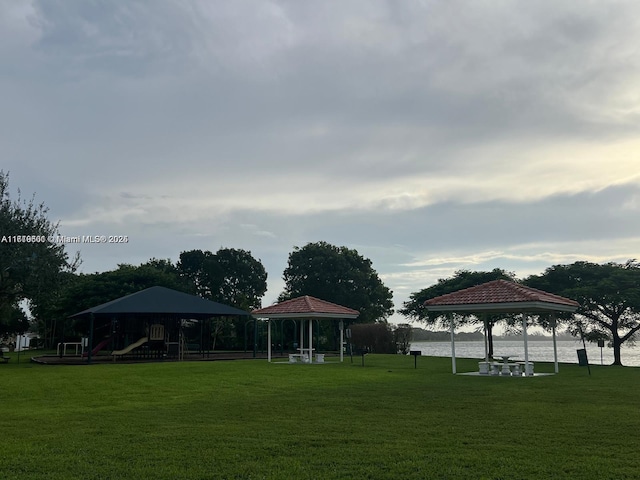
<point>539,350</point>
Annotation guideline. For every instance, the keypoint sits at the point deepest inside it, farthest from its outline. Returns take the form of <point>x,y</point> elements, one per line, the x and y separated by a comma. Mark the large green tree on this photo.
<point>609,297</point>
<point>30,264</point>
<point>230,276</point>
<point>415,310</point>
<point>339,275</point>
<point>201,269</point>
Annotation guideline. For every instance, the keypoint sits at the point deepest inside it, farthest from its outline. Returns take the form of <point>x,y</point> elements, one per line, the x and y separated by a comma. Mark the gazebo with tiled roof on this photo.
<point>306,308</point>
<point>502,296</point>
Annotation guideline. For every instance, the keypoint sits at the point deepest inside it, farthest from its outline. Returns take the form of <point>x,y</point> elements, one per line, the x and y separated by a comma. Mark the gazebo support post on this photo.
<point>269,340</point>
<point>310,340</point>
<point>301,348</point>
<point>453,349</point>
<point>555,346</point>
<point>526,345</point>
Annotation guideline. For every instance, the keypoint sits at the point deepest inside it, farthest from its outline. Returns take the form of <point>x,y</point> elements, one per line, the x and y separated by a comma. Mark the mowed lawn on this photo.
<point>248,419</point>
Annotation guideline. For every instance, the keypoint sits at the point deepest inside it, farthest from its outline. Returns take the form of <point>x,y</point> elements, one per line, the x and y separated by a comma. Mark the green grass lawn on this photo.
<point>248,419</point>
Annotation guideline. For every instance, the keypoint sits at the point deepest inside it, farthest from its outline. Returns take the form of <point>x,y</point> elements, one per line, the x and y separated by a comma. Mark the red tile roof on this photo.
<point>500,292</point>
<point>306,306</point>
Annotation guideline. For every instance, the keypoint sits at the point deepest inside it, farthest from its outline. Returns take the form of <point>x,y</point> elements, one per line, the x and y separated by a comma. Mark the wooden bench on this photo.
<point>5,359</point>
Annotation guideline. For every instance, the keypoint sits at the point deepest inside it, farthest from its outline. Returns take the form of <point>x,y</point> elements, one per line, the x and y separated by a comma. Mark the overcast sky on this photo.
<point>429,136</point>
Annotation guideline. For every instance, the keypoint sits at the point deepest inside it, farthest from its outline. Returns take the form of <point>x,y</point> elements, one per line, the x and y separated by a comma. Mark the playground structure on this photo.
<point>129,348</point>
<point>153,323</point>
<point>155,343</point>
<point>99,347</point>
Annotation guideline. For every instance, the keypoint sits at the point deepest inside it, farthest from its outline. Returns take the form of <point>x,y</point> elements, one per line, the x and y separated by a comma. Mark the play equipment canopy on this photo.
<point>165,301</point>
<point>501,296</point>
<point>157,302</point>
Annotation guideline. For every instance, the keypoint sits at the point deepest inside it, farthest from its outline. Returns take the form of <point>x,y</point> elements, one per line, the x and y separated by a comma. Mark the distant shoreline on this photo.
<point>535,338</point>
<point>420,335</point>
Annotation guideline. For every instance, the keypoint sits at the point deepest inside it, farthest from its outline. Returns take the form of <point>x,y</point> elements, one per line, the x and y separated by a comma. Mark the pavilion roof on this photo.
<point>305,307</point>
<point>162,301</point>
<point>501,296</point>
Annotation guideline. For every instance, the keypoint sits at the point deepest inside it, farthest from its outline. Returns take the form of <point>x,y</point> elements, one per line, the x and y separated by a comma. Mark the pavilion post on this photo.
<point>341,326</point>
<point>310,339</point>
<point>555,346</point>
<point>269,340</point>
<point>453,349</point>
<point>526,345</point>
<point>301,337</point>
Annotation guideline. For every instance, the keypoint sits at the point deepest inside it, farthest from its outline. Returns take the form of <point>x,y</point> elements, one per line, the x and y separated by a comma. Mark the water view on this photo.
<point>539,350</point>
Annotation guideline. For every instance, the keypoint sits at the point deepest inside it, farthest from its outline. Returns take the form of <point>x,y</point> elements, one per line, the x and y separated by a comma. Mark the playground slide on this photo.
<point>130,347</point>
<point>98,347</point>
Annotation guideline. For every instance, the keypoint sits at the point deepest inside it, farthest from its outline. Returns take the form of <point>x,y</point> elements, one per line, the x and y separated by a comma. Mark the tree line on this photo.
<point>43,276</point>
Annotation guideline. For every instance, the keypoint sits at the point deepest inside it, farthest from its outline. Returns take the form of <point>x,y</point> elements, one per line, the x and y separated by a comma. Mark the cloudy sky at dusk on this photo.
<point>429,136</point>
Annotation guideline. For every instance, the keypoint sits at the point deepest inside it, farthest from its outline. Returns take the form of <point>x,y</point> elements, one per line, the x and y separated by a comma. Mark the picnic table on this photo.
<point>76,345</point>
<point>506,366</point>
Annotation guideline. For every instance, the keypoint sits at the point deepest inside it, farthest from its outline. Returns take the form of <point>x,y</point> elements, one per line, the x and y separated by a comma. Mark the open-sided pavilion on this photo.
<point>306,308</point>
<point>502,297</point>
<point>135,315</point>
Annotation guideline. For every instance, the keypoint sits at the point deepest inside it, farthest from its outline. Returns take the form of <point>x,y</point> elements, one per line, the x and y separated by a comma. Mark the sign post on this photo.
<point>601,345</point>
<point>415,354</point>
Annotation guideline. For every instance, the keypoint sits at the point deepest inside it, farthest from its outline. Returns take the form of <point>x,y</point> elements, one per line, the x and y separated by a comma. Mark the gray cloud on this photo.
<point>428,135</point>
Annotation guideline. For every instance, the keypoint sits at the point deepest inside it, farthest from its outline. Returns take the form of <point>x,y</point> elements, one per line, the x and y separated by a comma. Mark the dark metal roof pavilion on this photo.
<point>162,301</point>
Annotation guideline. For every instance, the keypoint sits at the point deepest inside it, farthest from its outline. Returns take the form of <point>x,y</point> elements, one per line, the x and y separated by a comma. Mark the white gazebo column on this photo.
<point>341,325</point>
<point>555,346</point>
<point>268,340</point>
<point>453,349</point>
<point>526,345</point>
<point>310,340</point>
<point>301,338</point>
